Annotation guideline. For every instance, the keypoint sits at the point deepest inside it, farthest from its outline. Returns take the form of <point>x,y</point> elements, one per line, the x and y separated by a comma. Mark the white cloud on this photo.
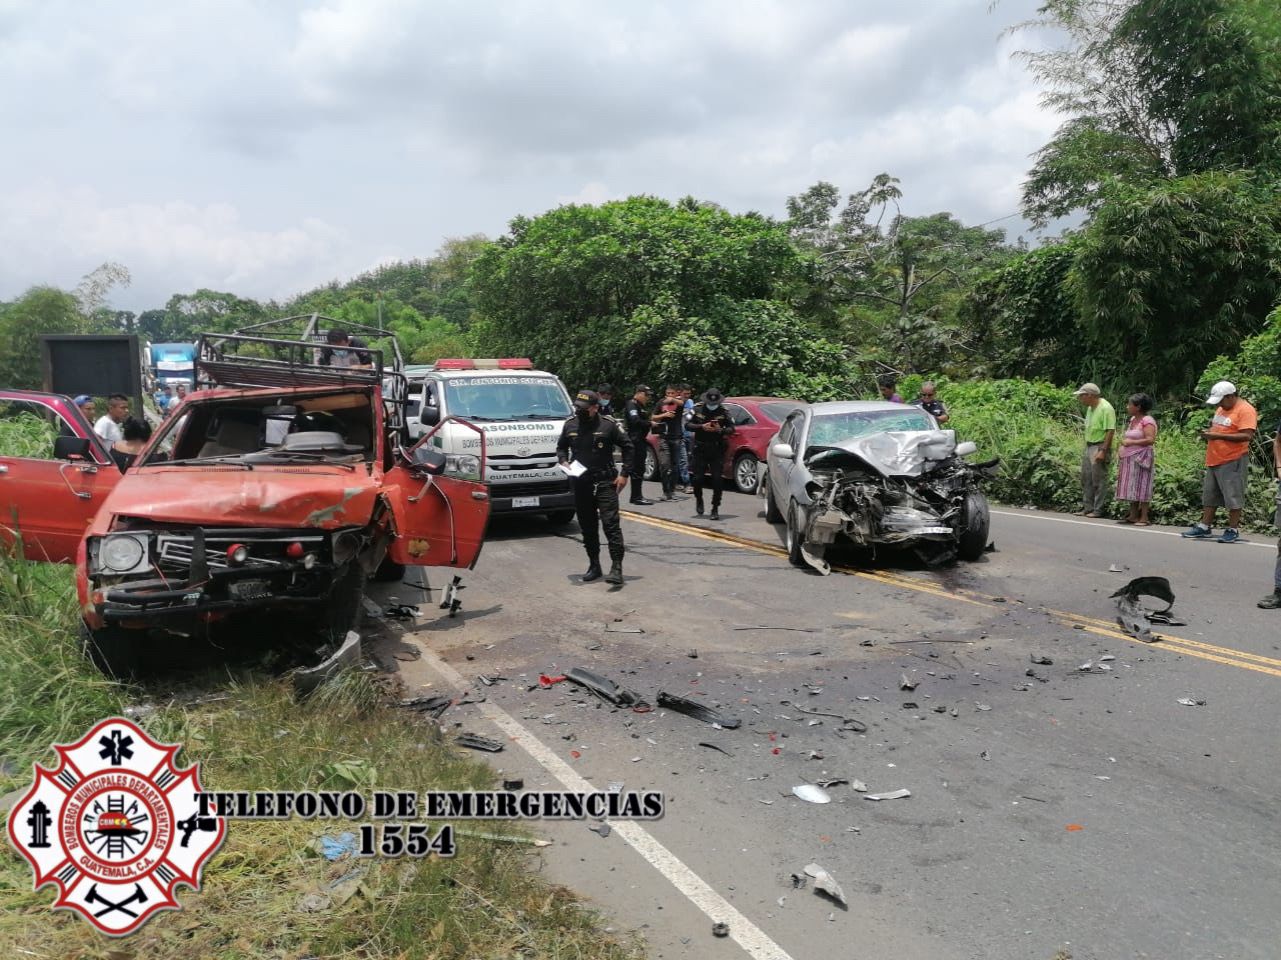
<point>173,246</point>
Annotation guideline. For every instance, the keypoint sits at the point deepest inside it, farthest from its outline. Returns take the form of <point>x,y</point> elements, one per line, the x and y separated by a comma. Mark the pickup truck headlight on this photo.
<point>463,465</point>
<point>123,553</point>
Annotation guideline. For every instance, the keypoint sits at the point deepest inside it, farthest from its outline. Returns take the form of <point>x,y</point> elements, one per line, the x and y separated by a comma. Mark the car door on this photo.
<point>440,520</point>
<point>780,468</point>
<point>48,502</point>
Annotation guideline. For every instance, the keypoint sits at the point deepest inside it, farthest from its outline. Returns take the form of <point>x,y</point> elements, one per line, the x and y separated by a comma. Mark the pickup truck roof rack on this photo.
<point>287,352</point>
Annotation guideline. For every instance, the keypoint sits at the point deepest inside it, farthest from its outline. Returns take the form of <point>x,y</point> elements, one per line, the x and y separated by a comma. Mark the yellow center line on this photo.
<point>1165,637</point>
<point>1102,628</point>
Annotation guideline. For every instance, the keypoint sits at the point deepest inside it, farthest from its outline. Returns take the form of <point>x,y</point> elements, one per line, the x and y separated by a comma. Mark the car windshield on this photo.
<point>507,398</point>
<point>828,429</point>
<point>777,410</point>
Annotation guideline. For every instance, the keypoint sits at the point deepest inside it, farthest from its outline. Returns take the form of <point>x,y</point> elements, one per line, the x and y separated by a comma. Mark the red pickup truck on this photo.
<point>281,485</point>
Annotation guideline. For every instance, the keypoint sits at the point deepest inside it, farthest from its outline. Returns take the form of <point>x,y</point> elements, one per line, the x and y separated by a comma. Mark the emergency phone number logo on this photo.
<point>116,826</point>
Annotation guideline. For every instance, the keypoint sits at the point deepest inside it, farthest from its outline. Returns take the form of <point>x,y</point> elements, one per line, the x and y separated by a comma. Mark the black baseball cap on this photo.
<point>644,388</point>
<point>713,396</point>
<point>606,388</point>
<point>585,398</point>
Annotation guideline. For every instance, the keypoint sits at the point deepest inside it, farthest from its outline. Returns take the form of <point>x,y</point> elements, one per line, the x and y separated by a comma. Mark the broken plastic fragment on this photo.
<point>473,741</point>
<point>696,710</point>
<point>859,785</point>
<point>811,794</point>
<point>603,687</point>
<point>906,683</point>
<point>891,795</point>
<point>824,882</point>
<point>603,829</point>
<point>1189,702</point>
<point>1042,661</point>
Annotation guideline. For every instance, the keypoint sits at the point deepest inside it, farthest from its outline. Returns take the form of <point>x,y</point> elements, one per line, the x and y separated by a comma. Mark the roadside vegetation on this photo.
<point>249,733</point>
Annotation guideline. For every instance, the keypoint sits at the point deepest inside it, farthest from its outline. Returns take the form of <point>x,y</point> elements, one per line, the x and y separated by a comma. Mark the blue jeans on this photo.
<point>682,461</point>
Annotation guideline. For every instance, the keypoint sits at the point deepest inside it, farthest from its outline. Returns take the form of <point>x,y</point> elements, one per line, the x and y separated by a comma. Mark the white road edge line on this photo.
<point>748,935</point>
<point>1086,523</point>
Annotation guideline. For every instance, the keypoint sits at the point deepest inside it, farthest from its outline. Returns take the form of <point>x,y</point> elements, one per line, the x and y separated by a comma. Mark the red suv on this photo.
<point>756,419</point>
<point>281,486</point>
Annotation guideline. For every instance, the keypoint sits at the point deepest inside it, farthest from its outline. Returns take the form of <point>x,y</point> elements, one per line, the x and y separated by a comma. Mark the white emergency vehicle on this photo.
<point>521,411</point>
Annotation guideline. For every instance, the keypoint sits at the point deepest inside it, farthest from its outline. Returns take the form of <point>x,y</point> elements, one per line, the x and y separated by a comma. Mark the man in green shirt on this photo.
<point>1100,430</point>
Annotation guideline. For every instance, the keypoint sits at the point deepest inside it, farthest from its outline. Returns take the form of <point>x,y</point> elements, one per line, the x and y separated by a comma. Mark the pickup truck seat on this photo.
<point>234,437</point>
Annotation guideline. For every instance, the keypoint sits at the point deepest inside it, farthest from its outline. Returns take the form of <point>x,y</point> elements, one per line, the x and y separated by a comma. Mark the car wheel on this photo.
<point>978,522</point>
<point>651,463</point>
<point>342,612</point>
<point>772,513</point>
<point>559,518</point>
<point>795,536</point>
<point>114,650</point>
<point>747,473</point>
<point>389,571</point>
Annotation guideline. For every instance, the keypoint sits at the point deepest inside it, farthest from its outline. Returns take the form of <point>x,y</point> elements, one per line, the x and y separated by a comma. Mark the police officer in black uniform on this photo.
<point>636,422</point>
<point>711,424</point>
<point>589,439</point>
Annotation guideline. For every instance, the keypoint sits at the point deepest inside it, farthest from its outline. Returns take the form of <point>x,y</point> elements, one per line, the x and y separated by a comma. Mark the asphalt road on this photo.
<point>1086,811</point>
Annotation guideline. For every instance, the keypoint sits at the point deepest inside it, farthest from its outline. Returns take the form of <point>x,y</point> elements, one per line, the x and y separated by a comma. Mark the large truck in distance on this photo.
<point>521,411</point>
<point>173,363</point>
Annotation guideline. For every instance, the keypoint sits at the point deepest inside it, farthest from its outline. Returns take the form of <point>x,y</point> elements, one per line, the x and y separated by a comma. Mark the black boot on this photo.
<point>615,575</point>
<point>716,512</point>
<point>593,568</point>
<point>1272,601</point>
<point>698,507</point>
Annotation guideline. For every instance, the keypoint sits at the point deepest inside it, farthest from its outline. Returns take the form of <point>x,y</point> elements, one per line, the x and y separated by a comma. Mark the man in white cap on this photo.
<point>1100,430</point>
<point>1227,458</point>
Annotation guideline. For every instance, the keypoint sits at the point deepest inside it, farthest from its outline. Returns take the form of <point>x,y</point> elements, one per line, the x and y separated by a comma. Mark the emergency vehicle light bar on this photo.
<point>503,363</point>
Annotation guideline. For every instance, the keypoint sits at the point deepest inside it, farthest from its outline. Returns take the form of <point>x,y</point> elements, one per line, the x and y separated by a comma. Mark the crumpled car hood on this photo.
<point>897,453</point>
<point>264,497</point>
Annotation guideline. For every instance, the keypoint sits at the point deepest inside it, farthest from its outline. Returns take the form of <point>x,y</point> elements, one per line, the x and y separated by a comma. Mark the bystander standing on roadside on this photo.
<point>668,421</point>
<point>929,402</point>
<point>686,450</point>
<point>179,396</point>
<point>711,424</point>
<point>87,407</point>
<point>588,440</point>
<point>135,432</point>
<point>1273,600</point>
<point>1136,460</point>
<point>636,423</point>
<point>888,386</point>
<point>1100,431</point>
<point>606,393</point>
<point>1227,462</point>
<point>108,425</point>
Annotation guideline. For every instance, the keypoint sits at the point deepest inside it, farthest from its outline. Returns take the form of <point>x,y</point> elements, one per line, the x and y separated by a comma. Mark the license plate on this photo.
<point>518,502</point>
<point>248,589</point>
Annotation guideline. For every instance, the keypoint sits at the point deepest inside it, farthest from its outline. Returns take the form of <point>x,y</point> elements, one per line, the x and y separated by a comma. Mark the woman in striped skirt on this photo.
<point>1136,460</point>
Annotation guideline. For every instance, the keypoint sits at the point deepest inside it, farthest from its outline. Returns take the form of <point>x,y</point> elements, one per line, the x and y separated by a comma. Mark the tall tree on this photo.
<point>41,310</point>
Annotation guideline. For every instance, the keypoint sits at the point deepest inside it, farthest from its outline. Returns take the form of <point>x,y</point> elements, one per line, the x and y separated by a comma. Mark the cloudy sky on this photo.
<point>263,147</point>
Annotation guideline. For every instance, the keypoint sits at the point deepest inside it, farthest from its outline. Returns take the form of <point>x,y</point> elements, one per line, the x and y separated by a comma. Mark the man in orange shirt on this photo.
<point>1227,458</point>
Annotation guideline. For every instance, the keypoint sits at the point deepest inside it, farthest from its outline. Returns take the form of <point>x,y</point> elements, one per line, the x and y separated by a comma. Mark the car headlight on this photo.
<point>123,553</point>
<point>463,465</point>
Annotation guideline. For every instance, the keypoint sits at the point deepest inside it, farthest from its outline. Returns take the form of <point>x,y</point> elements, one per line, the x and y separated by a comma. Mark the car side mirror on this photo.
<point>71,448</point>
<point>429,416</point>
<point>966,448</point>
<point>783,451</point>
<point>424,459</point>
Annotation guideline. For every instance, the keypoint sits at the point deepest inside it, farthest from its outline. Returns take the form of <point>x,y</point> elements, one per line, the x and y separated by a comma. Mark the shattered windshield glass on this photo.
<point>830,429</point>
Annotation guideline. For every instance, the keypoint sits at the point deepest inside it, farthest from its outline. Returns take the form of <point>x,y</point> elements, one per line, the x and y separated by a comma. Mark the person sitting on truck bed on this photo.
<point>344,351</point>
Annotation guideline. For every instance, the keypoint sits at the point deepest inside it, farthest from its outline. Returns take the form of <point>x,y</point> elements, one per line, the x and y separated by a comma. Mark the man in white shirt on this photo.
<point>108,425</point>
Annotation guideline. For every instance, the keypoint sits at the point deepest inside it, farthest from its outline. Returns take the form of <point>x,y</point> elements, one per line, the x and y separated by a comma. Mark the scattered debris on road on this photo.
<point>1190,702</point>
<point>307,679</point>
<point>825,883</point>
<point>906,683</point>
<point>811,793</point>
<point>604,688</point>
<point>622,628</point>
<point>698,711</point>
<point>432,706</point>
<point>601,829</point>
<point>720,929</point>
<point>713,746</point>
<point>1042,661</point>
<point>473,741</point>
<point>1132,617</point>
<point>891,795</point>
<point>546,682</point>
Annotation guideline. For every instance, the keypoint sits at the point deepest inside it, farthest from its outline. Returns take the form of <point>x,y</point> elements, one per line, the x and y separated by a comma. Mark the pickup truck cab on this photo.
<point>279,486</point>
<point>520,411</point>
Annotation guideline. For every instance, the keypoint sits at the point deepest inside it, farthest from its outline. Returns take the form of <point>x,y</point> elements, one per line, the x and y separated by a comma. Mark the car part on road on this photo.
<point>906,683</point>
<point>1042,661</point>
<point>825,883</point>
<point>474,741</point>
<point>698,711</point>
<point>713,746</point>
<point>432,706</point>
<point>513,785</point>
<point>307,679</point>
<point>604,688</point>
<point>1189,702</point>
<point>546,682</point>
<point>450,601</point>
<point>720,929</point>
<point>891,795</point>
<point>811,793</point>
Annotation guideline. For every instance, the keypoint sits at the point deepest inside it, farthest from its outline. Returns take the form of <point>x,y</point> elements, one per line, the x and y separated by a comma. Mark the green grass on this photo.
<point>486,902</point>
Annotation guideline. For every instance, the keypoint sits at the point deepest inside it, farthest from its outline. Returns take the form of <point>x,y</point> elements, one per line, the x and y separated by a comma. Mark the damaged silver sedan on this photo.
<point>875,475</point>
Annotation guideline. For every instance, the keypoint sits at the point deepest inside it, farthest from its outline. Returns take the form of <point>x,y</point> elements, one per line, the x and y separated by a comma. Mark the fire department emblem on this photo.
<point>116,826</point>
